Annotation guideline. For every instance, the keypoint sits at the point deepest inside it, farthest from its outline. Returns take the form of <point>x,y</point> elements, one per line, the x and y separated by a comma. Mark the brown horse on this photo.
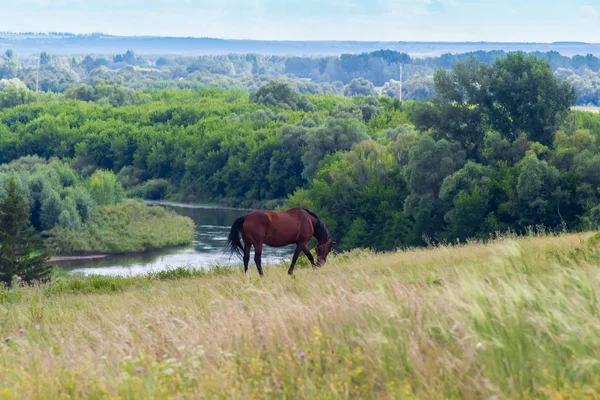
<point>278,229</point>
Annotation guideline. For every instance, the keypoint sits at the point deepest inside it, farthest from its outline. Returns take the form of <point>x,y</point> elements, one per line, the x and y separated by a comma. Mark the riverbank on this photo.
<point>193,205</point>
<point>129,227</point>
<point>73,258</point>
<point>516,318</point>
<point>174,204</point>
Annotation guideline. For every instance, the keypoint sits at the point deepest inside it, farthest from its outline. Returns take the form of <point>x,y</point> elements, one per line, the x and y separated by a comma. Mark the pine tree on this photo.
<point>21,250</point>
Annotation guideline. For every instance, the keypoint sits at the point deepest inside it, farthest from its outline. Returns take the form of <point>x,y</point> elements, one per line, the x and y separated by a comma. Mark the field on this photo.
<point>515,318</point>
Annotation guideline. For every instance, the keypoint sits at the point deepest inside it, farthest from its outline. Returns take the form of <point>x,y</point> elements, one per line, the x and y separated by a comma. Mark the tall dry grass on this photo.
<point>517,318</point>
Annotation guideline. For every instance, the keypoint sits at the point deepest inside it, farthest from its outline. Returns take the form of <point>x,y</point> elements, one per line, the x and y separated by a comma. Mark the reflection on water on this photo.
<point>207,249</point>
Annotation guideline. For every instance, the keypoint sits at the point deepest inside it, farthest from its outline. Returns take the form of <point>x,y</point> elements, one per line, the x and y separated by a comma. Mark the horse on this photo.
<point>278,229</point>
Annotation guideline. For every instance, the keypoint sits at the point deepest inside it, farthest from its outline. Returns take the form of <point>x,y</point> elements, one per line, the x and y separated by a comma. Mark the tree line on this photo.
<point>48,208</point>
<point>114,79</point>
<point>497,149</point>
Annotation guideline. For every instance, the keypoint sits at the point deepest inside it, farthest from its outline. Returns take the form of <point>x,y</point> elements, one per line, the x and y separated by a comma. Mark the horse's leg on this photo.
<point>257,256</point>
<point>247,249</point>
<point>306,251</point>
<point>294,259</point>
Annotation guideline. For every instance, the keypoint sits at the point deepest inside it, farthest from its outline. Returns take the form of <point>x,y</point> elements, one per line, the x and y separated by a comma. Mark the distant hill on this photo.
<point>69,44</point>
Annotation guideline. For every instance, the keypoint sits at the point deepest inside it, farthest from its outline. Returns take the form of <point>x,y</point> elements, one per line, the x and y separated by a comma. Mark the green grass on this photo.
<point>128,227</point>
<point>515,318</point>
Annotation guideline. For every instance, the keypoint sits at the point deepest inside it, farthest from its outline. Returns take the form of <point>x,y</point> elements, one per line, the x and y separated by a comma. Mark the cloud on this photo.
<point>589,11</point>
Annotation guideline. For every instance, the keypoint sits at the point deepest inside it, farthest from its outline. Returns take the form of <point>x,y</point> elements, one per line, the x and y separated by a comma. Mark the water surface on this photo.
<point>206,250</point>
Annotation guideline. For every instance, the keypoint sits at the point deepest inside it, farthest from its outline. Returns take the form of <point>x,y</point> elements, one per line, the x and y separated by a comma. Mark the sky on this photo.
<point>365,20</point>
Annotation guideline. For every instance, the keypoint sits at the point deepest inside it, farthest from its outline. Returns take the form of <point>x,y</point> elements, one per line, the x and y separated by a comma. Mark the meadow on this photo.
<point>514,318</point>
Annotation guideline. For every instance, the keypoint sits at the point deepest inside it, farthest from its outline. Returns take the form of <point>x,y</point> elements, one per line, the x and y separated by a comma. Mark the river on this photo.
<point>206,250</point>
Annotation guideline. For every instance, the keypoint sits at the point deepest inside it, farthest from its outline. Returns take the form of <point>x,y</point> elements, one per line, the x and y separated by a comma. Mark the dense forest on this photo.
<point>114,78</point>
<point>497,148</point>
<point>89,215</point>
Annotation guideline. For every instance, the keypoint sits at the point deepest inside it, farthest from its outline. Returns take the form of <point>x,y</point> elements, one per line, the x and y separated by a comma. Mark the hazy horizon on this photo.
<point>108,34</point>
<point>510,21</point>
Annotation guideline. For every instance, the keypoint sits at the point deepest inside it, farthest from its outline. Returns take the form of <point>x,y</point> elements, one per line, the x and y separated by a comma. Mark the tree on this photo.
<point>279,94</point>
<point>392,89</point>
<point>336,134</point>
<point>529,98</point>
<point>429,163</point>
<point>360,86</point>
<point>539,193</point>
<point>105,188</point>
<point>44,58</point>
<point>517,95</point>
<point>21,251</point>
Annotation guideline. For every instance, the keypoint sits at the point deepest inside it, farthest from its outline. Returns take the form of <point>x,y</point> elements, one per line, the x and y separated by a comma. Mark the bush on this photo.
<point>131,226</point>
<point>155,189</point>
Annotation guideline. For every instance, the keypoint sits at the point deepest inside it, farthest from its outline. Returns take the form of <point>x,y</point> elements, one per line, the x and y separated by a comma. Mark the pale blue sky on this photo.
<point>420,20</point>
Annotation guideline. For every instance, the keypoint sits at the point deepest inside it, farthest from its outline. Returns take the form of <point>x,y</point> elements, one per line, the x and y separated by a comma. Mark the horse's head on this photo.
<point>323,250</point>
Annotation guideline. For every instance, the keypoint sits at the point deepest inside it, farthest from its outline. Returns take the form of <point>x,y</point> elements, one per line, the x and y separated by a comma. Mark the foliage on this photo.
<point>470,163</point>
<point>130,226</point>
<point>154,189</point>
<point>280,95</point>
<point>56,195</point>
<point>21,252</point>
<point>113,79</point>
<point>104,188</point>
<point>359,86</point>
<point>464,177</point>
<point>85,215</point>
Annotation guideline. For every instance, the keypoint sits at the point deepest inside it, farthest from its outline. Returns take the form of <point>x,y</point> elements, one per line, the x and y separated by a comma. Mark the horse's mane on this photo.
<point>321,231</point>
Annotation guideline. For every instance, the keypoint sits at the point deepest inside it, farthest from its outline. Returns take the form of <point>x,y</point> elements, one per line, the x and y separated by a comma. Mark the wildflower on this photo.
<point>302,355</point>
<point>138,369</point>
<point>18,277</point>
<point>21,331</point>
<point>8,339</point>
<point>239,302</point>
<point>38,327</point>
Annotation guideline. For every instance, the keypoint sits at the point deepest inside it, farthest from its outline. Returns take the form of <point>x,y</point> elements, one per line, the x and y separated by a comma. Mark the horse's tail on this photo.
<point>234,243</point>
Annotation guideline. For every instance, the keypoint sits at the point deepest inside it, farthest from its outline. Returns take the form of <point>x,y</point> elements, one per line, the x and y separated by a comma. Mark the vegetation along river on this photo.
<point>206,250</point>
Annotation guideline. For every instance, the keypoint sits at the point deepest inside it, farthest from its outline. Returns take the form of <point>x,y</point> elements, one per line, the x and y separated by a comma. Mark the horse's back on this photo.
<point>278,228</point>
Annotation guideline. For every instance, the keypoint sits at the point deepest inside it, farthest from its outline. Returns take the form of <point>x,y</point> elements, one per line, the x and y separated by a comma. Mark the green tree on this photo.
<point>467,218</point>
<point>360,86</point>
<point>528,98</point>
<point>517,95</point>
<point>539,193</point>
<point>279,94</point>
<point>45,58</point>
<point>21,252</point>
<point>105,188</point>
<point>335,134</point>
<point>429,163</point>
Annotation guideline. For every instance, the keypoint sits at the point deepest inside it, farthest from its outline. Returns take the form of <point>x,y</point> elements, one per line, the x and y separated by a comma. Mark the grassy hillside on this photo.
<point>517,318</point>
